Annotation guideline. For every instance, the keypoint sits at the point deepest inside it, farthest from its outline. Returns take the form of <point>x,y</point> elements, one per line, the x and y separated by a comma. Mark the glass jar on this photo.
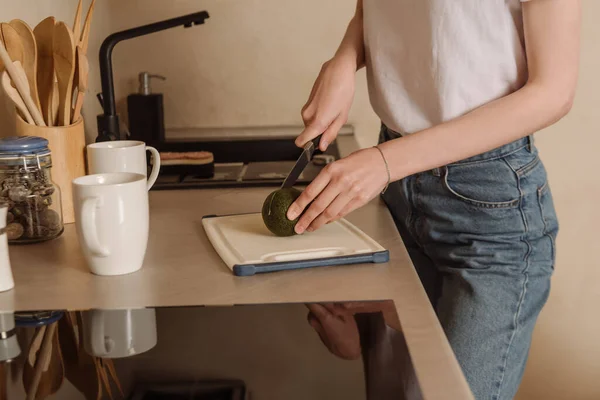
<point>34,203</point>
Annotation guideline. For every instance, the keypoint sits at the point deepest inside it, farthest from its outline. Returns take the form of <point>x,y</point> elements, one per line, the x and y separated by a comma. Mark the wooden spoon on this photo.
<point>14,95</point>
<point>85,35</point>
<point>44,33</point>
<point>83,69</point>
<point>64,65</point>
<point>29,56</point>
<point>12,43</point>
<point>20,80</point>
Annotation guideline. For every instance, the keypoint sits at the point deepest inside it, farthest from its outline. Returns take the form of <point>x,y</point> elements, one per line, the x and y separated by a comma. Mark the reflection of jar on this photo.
<point>34,208</point>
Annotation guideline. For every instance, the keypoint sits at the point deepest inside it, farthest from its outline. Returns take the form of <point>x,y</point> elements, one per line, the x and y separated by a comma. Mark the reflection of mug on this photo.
<point>9,345</point>
<point>112,220</point>
<point>119,333</point>
<point>122,156</point>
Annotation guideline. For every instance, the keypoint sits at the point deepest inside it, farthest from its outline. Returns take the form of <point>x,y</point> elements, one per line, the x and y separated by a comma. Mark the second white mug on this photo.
<point>119,333</point>
<point>122,156</point>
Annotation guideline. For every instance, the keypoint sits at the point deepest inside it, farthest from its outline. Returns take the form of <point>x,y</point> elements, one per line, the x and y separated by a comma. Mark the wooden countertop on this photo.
<point>182,269</point>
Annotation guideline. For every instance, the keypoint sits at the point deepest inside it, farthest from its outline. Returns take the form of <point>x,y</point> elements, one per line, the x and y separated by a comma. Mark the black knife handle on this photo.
<point>316,142</point>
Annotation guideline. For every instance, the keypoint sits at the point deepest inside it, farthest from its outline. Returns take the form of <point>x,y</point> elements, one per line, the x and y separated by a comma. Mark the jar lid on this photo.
<point>23,144</point>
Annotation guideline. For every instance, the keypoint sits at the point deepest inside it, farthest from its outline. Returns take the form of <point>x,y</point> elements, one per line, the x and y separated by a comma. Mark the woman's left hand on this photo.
<point>340,188</point>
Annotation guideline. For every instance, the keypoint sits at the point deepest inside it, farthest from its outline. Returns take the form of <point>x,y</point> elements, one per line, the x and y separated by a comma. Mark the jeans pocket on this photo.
<point>485,184</point>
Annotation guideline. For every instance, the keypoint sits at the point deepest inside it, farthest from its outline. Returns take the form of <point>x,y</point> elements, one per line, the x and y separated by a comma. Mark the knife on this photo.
<point>303,160</point>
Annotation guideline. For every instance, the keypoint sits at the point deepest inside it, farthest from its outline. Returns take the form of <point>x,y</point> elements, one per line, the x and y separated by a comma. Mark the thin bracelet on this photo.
<point>387,168</point>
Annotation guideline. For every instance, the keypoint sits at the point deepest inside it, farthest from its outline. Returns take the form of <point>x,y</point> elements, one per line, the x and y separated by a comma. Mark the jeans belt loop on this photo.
<point>530,143</point>
<point>437,171</point>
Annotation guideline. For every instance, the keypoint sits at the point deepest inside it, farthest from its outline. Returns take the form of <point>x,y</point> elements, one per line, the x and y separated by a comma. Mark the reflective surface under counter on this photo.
<point>208,353</point>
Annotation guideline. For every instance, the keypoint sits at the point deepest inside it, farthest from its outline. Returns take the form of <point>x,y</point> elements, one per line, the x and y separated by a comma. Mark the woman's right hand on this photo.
<point>328,105</point>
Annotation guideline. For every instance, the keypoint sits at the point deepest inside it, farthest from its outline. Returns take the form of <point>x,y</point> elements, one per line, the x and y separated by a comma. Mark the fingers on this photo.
<point>322,311</point>
<point>351,206</point>
<point>335,309</point>
<point>331,212</point>
<point>356,307</point>
<point>311,131</point>
<point>308,195</point>
<point>307,110</point>
<point>319,311</point>
<point>318,206</point>
<point>331,132</point>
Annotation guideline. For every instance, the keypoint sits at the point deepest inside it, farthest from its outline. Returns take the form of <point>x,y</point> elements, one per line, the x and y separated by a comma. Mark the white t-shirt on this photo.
<point>429,61</point>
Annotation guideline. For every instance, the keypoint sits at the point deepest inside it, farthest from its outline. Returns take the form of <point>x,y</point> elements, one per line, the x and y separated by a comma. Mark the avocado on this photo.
<point>274,211</point>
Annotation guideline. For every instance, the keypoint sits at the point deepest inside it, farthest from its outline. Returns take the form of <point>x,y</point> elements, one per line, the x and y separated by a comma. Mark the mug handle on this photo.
<point>101,345</point>
<point>88,227</point>
<point>155,166</point>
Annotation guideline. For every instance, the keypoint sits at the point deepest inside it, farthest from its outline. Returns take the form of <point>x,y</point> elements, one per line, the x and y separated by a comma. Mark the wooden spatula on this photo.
<point>44,33</point>
<point>29,56</point>
<point>77,24</point>
<point>83,69</point>
<point>14,95</point>
<point>17,75</point>
<point>85,34</point>
<point>12,44</point>
<point>64,65</point>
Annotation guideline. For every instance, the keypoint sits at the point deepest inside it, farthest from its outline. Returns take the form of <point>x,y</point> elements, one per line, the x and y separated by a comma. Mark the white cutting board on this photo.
<point>244,239</point>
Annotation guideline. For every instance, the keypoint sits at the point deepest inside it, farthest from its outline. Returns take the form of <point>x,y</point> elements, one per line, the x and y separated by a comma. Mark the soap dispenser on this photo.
<point>146,112</point>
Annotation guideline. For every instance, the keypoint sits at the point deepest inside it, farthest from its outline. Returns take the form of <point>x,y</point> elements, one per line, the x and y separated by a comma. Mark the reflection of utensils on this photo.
<point>82,77</point>
<point>14,95</point>
<point>64,65</point>
<point>44,33</point>
<point>29,56</point>
<point>3,384</point>
<point>44,376</point>
<point>80,368</point>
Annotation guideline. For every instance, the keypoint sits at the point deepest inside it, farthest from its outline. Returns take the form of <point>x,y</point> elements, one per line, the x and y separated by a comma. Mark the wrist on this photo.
<point>388,176</point>
<point>346,58</point>
<point>397,162</point>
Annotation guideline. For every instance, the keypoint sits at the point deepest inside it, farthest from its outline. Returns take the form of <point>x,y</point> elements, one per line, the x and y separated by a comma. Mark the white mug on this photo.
<point>112,221</point>
<point>6,277</point>
<point>122,156</point>
<point>119,333</point>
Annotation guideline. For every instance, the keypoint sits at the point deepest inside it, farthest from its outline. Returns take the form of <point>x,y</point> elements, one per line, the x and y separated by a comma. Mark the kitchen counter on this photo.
<point>182,269</point>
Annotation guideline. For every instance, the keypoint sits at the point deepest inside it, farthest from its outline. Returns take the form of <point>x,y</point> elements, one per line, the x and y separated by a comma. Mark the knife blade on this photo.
<point>303,160</point>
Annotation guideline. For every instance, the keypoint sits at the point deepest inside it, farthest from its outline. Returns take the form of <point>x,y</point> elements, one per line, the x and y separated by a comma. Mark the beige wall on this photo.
<point>565,358</point>
<point>253,63</point>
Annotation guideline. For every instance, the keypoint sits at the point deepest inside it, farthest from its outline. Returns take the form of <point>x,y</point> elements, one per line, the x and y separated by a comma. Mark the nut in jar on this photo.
<point>34,204</point>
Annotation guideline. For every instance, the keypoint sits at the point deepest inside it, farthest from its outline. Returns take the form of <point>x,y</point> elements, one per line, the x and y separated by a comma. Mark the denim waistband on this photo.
<point>499,152</point>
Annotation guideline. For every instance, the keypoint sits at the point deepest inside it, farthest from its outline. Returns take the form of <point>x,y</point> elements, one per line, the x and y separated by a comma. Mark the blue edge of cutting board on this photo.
<point>376,257</point>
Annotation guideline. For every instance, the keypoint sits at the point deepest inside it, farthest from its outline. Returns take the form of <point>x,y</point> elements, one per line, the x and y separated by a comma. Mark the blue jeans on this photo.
<point>481,234</point>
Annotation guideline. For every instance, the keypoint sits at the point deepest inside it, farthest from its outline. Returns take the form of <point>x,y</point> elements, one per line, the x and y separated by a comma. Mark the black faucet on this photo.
<point>108,123</point>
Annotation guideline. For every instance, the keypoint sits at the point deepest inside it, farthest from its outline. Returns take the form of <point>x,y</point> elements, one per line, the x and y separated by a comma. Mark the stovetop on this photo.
<point>263,163</point>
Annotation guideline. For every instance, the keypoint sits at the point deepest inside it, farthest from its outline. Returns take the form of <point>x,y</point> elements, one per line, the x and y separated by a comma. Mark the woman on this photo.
<point>460,88</point>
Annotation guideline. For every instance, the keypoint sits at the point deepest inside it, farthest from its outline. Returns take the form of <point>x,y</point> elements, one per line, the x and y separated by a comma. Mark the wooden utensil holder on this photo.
<point>67,144</point>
